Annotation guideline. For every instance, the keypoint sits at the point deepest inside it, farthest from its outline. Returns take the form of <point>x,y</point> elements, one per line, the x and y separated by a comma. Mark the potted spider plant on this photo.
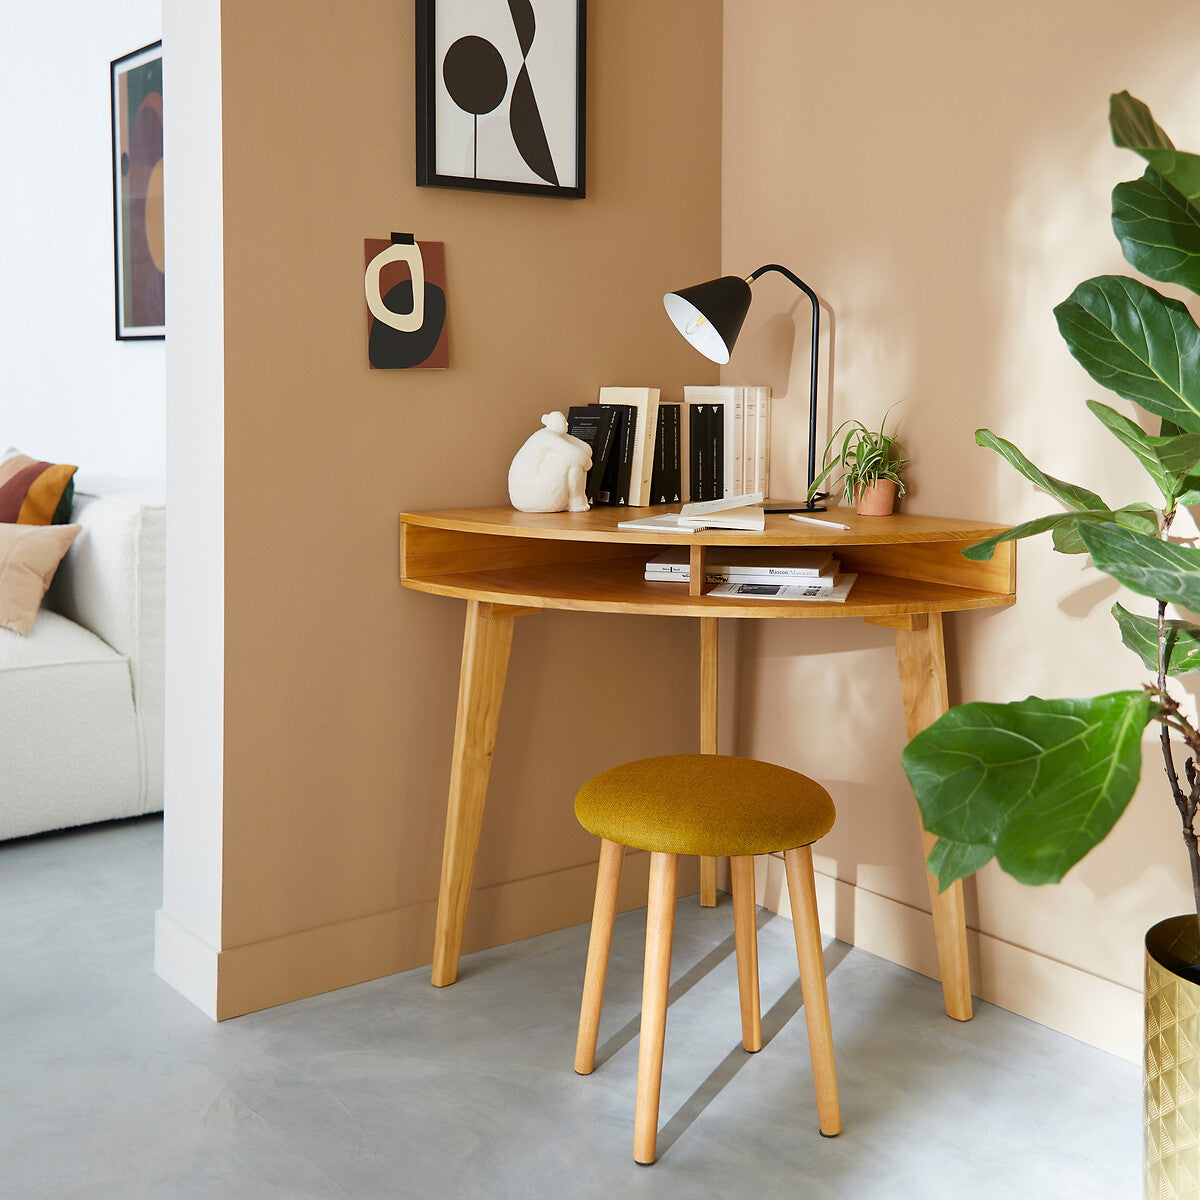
<point>868,463</point>
<point>1038,783</point>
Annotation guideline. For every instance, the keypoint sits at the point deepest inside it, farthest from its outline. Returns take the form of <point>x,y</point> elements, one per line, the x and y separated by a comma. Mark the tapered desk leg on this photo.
<point>486,644</point>
<point>921,655</point>
<point>708,735</point>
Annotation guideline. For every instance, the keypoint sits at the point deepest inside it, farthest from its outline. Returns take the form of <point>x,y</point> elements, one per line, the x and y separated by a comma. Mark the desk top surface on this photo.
<point>600,525</point>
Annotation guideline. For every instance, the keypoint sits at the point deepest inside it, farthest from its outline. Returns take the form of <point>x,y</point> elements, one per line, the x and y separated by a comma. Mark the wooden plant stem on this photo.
<point>1185,804</point>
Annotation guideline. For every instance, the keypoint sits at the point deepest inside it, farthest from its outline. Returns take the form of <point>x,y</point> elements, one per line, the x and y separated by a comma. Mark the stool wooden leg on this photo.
<point>660,929</point>
<point>745,932</point>
<point>803,895</point>
<point>709,634</point>
<point>608,879</point>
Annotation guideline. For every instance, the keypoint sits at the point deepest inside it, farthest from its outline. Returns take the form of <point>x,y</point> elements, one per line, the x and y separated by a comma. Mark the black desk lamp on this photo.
<point>710,316</point>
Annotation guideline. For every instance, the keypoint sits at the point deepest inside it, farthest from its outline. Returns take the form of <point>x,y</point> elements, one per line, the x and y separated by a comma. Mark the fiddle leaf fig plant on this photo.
<point>1036,784</point>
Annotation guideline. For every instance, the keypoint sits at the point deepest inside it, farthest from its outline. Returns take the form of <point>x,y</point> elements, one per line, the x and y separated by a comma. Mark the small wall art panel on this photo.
<point>406,303</point>
<point>137,143</point>
<point>500,95</point>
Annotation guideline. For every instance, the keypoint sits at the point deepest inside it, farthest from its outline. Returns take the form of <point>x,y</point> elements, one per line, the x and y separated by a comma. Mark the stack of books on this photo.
<point>773,574</point>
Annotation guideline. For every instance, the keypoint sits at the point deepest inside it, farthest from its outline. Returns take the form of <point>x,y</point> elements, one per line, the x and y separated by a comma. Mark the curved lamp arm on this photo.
<point>816,338</point>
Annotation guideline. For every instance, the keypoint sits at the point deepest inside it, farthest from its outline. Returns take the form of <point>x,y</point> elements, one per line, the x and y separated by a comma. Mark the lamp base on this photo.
<point>795,506</point>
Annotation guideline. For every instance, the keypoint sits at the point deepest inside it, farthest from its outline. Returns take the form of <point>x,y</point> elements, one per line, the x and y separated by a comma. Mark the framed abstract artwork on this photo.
<point>500,95</point>
<point>405,284</point>
<point>137,145</point>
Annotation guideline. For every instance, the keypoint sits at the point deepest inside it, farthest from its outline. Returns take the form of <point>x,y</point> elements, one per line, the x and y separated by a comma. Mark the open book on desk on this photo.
<point>734,512</point>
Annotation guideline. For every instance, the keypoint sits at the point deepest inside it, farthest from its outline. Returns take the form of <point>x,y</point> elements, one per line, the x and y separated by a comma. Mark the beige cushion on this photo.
<point>29,556</point>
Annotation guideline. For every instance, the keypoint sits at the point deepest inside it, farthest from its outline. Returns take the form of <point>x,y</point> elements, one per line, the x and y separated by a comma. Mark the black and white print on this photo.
<point>500,95</point>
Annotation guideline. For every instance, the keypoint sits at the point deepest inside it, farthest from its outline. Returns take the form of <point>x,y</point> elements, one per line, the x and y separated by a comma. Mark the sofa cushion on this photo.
<point>33,492</point>
<point>70,732</point>
<point>29,556</point>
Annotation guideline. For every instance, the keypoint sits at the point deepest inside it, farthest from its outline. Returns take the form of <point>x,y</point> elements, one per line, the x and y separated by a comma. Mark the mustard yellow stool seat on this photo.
<point>705,804</point>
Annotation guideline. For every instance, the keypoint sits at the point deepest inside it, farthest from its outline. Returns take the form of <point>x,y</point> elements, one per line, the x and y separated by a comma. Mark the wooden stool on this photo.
<point>705,804</point>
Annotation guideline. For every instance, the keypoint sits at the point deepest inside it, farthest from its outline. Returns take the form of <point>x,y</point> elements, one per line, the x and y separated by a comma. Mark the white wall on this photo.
<point>188,927</point>
<point>70,392</point>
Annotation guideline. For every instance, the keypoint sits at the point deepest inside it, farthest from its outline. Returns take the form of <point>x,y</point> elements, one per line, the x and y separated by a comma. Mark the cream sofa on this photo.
<point>81,697</point>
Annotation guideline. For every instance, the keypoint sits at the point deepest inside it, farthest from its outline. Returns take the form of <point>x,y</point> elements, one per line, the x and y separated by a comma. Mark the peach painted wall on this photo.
<point>339,685</point>
<point>940,173</point>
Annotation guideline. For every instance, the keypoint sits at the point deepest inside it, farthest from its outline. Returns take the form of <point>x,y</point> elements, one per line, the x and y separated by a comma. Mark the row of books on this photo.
<point>730,433</point>
<point>649,451</point>
<point>784,574</point>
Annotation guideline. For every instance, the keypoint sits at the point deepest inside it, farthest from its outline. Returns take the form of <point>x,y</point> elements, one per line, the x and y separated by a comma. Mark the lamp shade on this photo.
<point>710,315</point>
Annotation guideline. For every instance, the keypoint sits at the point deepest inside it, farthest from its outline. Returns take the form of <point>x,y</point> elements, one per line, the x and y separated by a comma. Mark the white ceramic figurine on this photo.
<point>550,470</point>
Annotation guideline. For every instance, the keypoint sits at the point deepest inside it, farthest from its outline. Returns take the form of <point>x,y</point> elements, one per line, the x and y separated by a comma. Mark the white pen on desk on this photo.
<point>814,521</point>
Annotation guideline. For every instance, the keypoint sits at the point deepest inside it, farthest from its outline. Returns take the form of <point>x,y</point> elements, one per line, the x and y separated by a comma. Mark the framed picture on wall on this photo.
<point>137,147</point>
<point>500,95</point>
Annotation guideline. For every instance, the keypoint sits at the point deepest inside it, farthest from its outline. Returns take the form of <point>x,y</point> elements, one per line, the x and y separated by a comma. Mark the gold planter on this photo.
<point>1172,1060</point>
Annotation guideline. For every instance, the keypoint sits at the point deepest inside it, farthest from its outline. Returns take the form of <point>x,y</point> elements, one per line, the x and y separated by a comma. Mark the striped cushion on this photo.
<point>35,493</point>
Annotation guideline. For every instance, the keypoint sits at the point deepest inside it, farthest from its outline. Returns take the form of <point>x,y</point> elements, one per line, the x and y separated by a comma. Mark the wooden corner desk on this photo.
<point>506,564</point>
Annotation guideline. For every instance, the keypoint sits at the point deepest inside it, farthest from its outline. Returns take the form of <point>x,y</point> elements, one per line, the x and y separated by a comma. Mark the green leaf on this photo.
<point>950,860</point>
<point>1062,524</point>
<point>1141,344</point>
<point>1134,516</point>
<point>1139,517</point>
<point>1172,462</point>
<point>1140,634</point>
<point>1066,538</point>
<point>1134,127</point>
<point>1070,494</point>
<point>1136,439</point>
<point>1038,782</point>
<point>1180,455</point>
<point>1159,229</point>
<point>1146,565</point>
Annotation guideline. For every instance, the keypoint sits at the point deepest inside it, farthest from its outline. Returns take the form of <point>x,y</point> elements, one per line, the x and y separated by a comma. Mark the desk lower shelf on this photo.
<point>617,585</point>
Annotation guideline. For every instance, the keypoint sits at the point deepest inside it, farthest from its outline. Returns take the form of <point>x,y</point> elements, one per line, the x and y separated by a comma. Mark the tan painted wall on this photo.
<point>940,174</point>
<point>339,686</point>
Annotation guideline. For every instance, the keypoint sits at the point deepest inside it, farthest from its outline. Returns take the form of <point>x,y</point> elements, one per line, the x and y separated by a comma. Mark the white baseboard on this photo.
<point>186,962</point>
<point>242,979</point>
<point>1097,1011</point>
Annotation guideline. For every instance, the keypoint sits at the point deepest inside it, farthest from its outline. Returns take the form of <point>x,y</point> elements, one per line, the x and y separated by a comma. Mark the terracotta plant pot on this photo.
<point>1172,1060</point>
<point>877,500</point>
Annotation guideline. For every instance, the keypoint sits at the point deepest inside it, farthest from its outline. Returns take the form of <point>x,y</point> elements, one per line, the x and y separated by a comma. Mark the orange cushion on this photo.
<point>712,804</point>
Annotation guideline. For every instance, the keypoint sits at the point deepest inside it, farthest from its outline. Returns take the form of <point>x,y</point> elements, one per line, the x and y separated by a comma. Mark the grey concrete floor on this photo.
<point>112,1085</point>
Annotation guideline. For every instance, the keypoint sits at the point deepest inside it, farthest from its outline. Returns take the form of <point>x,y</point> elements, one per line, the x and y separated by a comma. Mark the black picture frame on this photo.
<point>139,279</point>
<point>544,138</point>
